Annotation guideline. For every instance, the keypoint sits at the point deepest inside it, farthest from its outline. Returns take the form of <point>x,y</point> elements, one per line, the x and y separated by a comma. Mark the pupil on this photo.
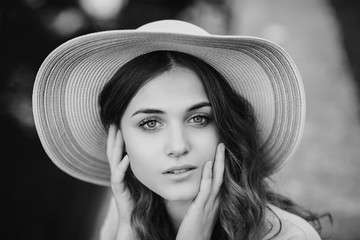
<point>151,124</point>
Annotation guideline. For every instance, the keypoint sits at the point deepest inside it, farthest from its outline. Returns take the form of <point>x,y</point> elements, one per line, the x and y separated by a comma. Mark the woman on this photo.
<point>196,126</point>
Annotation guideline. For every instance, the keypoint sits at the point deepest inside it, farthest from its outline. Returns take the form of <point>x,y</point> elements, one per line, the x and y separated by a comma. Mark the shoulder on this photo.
<point>282,225</point>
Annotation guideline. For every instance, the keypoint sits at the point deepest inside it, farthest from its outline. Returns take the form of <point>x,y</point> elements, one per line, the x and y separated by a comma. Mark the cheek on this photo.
<point>136,145</point>
<point>141,152</point>
<point>205,144</point>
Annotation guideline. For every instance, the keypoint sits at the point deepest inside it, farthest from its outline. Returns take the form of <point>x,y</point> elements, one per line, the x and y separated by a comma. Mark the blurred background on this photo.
<point>322,36</point>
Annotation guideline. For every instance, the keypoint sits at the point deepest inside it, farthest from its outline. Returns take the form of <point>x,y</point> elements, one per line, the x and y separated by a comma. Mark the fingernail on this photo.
<point>222,147</point>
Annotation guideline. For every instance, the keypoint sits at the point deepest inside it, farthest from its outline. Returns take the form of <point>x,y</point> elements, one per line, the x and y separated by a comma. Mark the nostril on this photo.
<point>179,152</point>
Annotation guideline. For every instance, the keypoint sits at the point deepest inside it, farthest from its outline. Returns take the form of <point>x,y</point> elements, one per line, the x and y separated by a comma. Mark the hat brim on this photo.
<point>68,83</point>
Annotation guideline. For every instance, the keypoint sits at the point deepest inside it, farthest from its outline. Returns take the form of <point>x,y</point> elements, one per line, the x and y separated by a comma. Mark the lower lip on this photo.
<point>181,176</point>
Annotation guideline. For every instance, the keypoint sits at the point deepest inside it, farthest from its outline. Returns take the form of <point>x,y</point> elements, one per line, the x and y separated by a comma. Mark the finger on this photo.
<point>110,140</point>
<point>124,164</point>
<point>118,147</point>
<point>218,170</point>
<point>205,184</point>
<point>116,152</point>
<point>117,177</point>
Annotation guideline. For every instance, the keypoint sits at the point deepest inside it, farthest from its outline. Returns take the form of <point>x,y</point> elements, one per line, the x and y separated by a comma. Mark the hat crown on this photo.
<point>173,26</point>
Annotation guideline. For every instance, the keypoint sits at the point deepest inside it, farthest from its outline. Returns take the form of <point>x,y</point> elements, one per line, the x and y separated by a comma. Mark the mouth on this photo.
<point>179,169</point>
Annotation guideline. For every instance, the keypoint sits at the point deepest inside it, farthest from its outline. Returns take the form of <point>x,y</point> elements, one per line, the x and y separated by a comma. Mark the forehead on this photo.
<point>174,88</point>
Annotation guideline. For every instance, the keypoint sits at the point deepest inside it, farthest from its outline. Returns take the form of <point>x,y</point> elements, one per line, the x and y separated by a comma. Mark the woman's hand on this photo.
<point>202,215</point>
<point>121,194</point>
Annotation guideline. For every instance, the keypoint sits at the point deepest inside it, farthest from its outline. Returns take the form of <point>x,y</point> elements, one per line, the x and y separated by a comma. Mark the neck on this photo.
<point>177,211</point>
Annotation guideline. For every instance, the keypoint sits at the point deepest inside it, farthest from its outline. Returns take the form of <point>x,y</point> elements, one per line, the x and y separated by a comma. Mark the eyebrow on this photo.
<point>158,111</point>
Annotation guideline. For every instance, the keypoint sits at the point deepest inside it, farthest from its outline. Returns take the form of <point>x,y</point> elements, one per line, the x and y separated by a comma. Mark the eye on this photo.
<point>150,125</point>
<point>200,120</point>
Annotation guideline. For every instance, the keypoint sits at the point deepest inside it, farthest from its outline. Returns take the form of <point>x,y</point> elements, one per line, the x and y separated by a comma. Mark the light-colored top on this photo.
<point>292,226</point>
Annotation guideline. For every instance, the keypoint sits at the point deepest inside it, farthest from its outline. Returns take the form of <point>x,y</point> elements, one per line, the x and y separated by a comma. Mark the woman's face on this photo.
<point>169,134</point>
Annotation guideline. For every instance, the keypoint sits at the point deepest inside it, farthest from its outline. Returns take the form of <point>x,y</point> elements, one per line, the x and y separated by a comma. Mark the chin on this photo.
<point>180,194</point>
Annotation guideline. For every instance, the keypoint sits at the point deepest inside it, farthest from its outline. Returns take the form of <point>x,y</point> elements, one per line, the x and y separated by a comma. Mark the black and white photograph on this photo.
<point>181,119</point>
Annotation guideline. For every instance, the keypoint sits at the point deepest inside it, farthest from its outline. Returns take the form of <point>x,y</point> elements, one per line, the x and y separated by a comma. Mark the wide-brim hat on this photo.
<point>66,89</point>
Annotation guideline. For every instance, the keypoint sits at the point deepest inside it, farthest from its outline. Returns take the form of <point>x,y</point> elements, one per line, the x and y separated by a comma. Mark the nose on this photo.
<point>177,143</point>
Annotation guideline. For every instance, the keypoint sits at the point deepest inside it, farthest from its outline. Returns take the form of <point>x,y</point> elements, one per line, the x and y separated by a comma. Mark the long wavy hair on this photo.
<point>245,194</point>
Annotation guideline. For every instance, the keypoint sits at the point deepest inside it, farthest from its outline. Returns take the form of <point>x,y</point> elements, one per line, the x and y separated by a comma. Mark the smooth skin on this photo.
<point>194,213</point>
<point>169,123</point>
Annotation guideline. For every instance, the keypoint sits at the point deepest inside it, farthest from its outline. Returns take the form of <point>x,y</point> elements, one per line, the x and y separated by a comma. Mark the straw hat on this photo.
<point>70,79</point>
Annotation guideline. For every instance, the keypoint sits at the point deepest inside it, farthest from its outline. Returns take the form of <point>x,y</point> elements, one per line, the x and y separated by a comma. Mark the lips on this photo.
<point>179,169</point>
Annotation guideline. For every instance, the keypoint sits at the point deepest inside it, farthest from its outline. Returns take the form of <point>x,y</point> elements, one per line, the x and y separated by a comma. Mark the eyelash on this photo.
<point>142,124</point>
<point>146,121</point>
<point>206,119</point>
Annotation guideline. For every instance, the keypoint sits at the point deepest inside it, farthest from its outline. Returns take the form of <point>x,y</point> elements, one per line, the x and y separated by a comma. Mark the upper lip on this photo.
<point>186,166</point>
